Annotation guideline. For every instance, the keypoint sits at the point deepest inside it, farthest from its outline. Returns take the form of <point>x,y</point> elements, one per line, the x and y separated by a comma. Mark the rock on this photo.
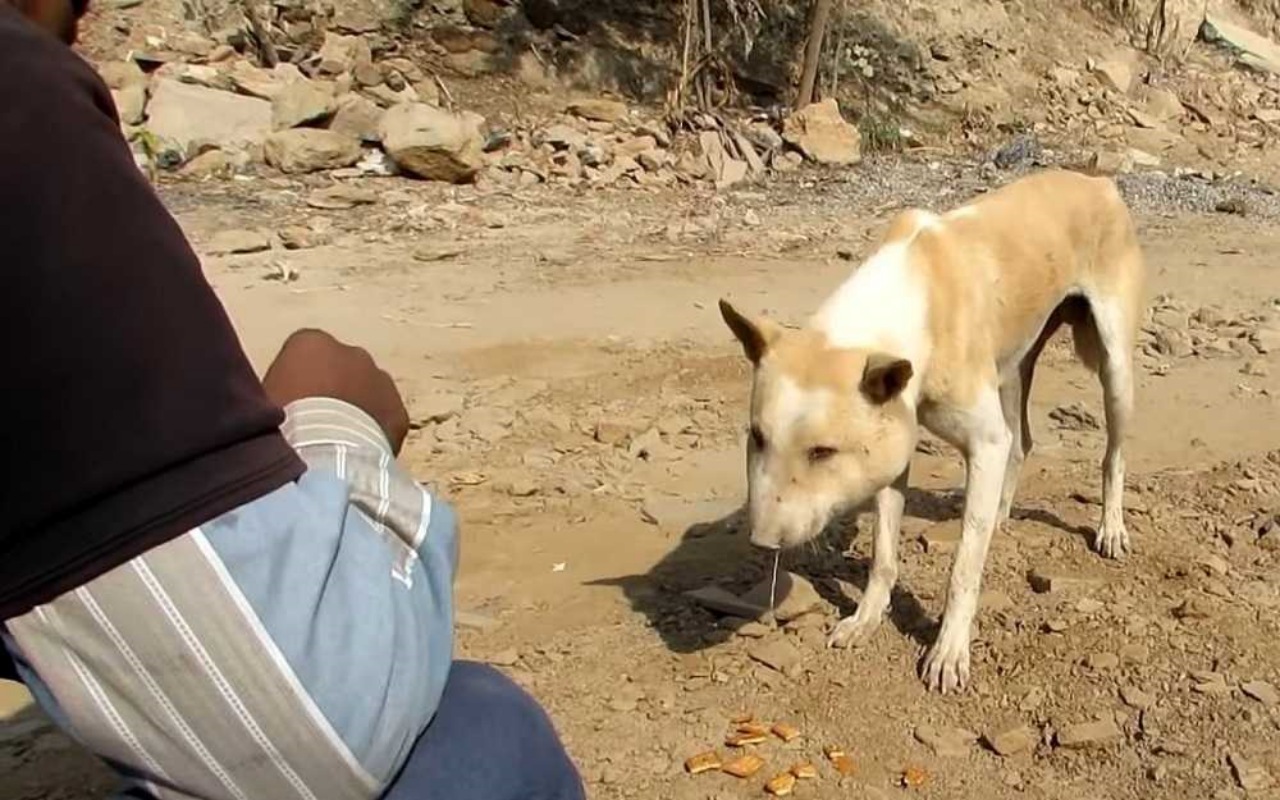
<point>296,237</point>
<point>387,97</point>
<point>749,154</point>
<point>763,136</point>
<point>1135,697</point>
<point>1043,580</point>
<point>1251,49</point>
<point>1115,74</point>
<point>565,137</point>
<point>1174,343</point>
<point>822,134</point>
<point>302,150</point>
<point>1252,777</point>
<point>507,658</point>
<point>942,538</point>
<point>131,103</point>
<point>1141,158</point>
<point>779,654</point>
<point>341,197</point>
<point>1103,661</point>
<point>1232,205</point>
<point>1075,417</point>
<point>786,161</point>
<point>1163,104</point>
<point>652,160</point>
<point>795,597</point>
<point>946,742</point>
<point>734,172</point>
<point>238,241</point>
<point>367,74</point>
<point>357,117</point>
<point>484,13</point>
<point>1011,740</point>
<point>1134,653</point>
<point>433,143</point>
<point>258,82</point>
<point>190,44</point>
<point>600,110</point>
<point>471,63</point>
<point>119,74</point>
<point>190,117</point>
<point>1263,692</point>
<point>719,599</point>
<point>339,54</point>
<point>1089,734</point>
<point>634,146</point>
<point>1106,162</point>
<point>210,164</point>
<point>1266,340</point>
<point>1192,608</point>
<point>302,102</point>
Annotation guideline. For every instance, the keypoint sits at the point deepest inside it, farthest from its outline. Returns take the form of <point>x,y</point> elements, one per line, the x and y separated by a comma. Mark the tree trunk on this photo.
<point>813,51</point>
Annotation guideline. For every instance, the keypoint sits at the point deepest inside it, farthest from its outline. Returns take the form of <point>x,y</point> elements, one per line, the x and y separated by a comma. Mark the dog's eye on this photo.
<point>757,438</point>
<point>820,454</point>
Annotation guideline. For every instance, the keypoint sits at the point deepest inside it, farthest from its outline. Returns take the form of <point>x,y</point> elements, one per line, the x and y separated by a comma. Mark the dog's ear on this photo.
<point>755,334</point>
<point>885,377</point>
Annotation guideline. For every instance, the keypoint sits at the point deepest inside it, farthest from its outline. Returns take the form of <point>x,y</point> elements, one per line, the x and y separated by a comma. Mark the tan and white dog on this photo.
<point>942,326</point>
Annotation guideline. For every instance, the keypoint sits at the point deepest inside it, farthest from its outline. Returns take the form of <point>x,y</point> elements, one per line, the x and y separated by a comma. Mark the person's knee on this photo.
<point>536,745</point>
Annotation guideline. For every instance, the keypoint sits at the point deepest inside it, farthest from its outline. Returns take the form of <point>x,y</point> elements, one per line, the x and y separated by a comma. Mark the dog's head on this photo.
<point>829,428</point>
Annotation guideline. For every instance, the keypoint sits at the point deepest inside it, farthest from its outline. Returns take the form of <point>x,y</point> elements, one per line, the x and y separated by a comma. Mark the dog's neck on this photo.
<point>882,307</point>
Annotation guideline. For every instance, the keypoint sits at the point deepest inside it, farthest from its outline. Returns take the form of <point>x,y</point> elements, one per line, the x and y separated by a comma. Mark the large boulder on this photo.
<point>822,134</point>
<point>131,103</point>
<point>191,117</point>
<point>358,117</point>
<point>433,143</point>
<point>339,54</point>
<point>301,102</point>
<point>301,150</point>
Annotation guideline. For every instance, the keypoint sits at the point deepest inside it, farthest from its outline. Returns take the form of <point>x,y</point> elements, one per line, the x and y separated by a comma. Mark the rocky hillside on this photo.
<point>601,93</point>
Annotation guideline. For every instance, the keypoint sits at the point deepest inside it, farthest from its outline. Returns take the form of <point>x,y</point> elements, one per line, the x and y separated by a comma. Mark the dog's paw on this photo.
<point>1112,540</point>
<point>854,630</point>
<point>946,666</point>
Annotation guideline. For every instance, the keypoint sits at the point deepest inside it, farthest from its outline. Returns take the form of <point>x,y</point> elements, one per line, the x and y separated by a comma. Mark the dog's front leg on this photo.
<point>855,629</point>
<point>946,667</point>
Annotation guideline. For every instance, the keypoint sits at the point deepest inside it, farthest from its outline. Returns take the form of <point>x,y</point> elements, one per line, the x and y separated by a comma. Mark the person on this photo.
<point>224,587</point>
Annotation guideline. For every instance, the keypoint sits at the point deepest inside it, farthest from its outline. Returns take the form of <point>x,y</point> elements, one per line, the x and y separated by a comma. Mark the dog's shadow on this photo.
<point>716,552</point>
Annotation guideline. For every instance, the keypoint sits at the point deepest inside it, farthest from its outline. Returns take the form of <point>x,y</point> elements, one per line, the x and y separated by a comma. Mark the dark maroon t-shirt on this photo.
<point>130,413</point>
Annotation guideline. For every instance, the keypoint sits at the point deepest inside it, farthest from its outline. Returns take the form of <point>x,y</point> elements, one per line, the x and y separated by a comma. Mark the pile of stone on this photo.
<point>341,109</point>
<point>602,142</point>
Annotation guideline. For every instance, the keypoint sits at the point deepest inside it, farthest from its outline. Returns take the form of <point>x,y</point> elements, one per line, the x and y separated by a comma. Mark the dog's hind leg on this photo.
<point>1114,334</point>
<point>1015,394</point>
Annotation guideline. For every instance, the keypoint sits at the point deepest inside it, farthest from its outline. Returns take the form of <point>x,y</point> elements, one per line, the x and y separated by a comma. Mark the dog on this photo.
<point>942,326</point>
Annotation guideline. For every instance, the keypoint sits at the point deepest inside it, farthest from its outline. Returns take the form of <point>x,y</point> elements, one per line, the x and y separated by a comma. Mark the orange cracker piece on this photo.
<point>914,777</point>
<point>805,770</point>
<point>781,785</point>
<point>703,762</point>
<point>844,764</point>
<point>754,728</point>
<point>832,751</point>
<point>786,732</point>
<point>744,766</point>
<point>744,739</point>
<point>741,719</point>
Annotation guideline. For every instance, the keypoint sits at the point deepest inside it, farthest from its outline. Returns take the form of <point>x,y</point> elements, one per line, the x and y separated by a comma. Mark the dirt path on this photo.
<point>581,402</point>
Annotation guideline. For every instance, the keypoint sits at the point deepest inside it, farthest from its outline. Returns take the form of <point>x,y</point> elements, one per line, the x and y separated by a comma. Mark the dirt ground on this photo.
<point>580,401</point>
